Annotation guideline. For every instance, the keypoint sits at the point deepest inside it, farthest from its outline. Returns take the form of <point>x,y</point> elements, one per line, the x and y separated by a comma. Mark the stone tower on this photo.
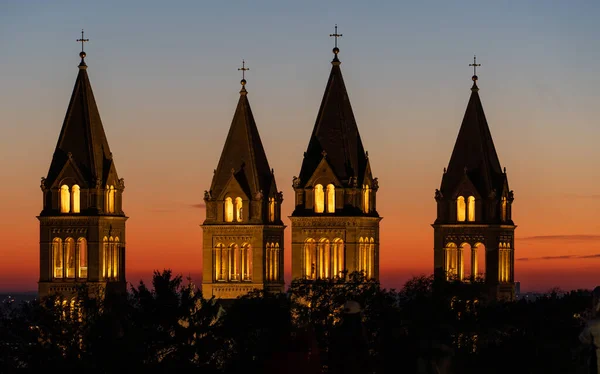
<point>82,223</point>
<point>243,231</point>
<point>335,225</point>
<point>474,214</point>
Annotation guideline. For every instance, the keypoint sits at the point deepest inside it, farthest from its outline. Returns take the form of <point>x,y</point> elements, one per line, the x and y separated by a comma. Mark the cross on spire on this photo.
<point>336,36</point>
<point>243,69</point>
<point>82,40</point>
<point>474,65</point>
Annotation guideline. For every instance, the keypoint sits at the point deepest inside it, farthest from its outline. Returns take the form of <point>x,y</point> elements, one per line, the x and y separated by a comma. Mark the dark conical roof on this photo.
<point>244,153</point>
<point>336,133</point>
<point>82,135</point>
<point>474,150</point>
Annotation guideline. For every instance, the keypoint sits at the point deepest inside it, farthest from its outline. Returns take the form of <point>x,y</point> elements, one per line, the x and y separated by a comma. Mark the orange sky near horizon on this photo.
<point>167,101</point>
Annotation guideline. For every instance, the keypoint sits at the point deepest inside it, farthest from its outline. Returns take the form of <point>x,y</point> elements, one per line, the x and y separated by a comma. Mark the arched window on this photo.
<point>218,262</point>
<point>234,262</point>
<point>319,199</point>
<point>65,199</point>
<point>57,257</point>
<point>451,260</point>
<point>111,199</point>
<point>276,259</point>
<point>70,258</point>
<point>460,209</point>
<point>271,209</point>
<point>108,257</point>
<point>330,198</point>
<point>338,257</point>
<point>504,209</point>
<point>366,198</point>
<point>246,262</point>
<point>228,209</point>
<point>371,262</point>
<point>105,258</point>
<point>471,205</point>
<point>324,263</point>
<point>238,209</point>
<point>82,255</point>
<point>75,198</point>
<point>115,258</point>
<point>310,258</point>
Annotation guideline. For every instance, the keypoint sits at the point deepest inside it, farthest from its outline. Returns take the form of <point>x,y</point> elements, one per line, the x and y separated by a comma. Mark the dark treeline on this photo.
<point>315,327</point>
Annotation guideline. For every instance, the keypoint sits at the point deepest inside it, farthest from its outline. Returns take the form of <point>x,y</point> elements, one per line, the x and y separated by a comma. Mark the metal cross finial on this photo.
<point>474,65</point>
<point>335,35</point>
<point>243,69</point>
<point>82,40</point>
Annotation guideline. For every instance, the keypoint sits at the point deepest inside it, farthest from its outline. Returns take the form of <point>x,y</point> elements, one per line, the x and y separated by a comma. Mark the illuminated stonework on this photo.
<point>474,231</point>
<point>335,224</point>
<point>243,232</point>
<point>82,223</point>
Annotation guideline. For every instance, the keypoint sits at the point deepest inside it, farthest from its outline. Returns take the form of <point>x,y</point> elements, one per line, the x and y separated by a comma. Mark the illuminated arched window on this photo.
<point>234,262</point>
<point>276,261</point>
<point>366,198</point>
<point>310,258</point>
<point>504,209</point>
<point>75,198</point>
<point>65,199</point>
<point>319,199</point>
<point>115,258</point>
<point>471,205</point>
<point>57,257</point>
<point>70,258</point>
<point>271,209</point>
<point>238,209</point>
<point>105,257</point>
<point>228,209</point>
<point>451,260</point>
<point>371,262</point>
<point>330,198</point>
<point>461,208</point>
<point>108,257</point>
<point>246,262</point>
<point>324,260</point>
<point>338,257</point>
<point>219,264</point>
<point>82,255</point>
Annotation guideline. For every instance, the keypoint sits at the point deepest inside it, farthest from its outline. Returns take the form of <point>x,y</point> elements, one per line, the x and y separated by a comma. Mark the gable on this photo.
<point>69,174</point>
<point>323,175</point>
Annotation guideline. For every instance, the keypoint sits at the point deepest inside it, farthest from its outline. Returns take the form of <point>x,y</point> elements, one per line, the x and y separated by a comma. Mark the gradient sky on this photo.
<point>165,79</point>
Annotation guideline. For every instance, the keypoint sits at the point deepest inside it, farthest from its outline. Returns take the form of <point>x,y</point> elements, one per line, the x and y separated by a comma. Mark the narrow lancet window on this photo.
<point>246,262</point>
<point>310,259</point>
<point>460,209</point>
<point>330,198</point>
<point>271,209</point>
<point>115,258</point>
<point>234,264</point>
<point>471,205</point>
<point>319,199</point>
<point>82,254</point>
<point>70,258</point>
<point>276,257</point>
<point>366,198</point>
<point>238,209</point>
<point>323,263</point>
<point>338,257</point>
<point>65,199</point>
<point>228,209</point>
<point>57,260</point>
<point>219,265</point>
<point>105,257</point>
<point>75,198</point>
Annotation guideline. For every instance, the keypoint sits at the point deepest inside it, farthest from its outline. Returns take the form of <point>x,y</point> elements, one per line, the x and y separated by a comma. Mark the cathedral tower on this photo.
<point>335,225</point>
<point>474,215</point>
<point>82,223</point>
<point>243,231</point>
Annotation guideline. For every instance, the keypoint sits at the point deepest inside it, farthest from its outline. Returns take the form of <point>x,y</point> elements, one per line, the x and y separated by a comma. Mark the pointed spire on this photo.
<point>243,155</point>
<point>335,132</point>
<point>82,138</point>
<point>474,152</point>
